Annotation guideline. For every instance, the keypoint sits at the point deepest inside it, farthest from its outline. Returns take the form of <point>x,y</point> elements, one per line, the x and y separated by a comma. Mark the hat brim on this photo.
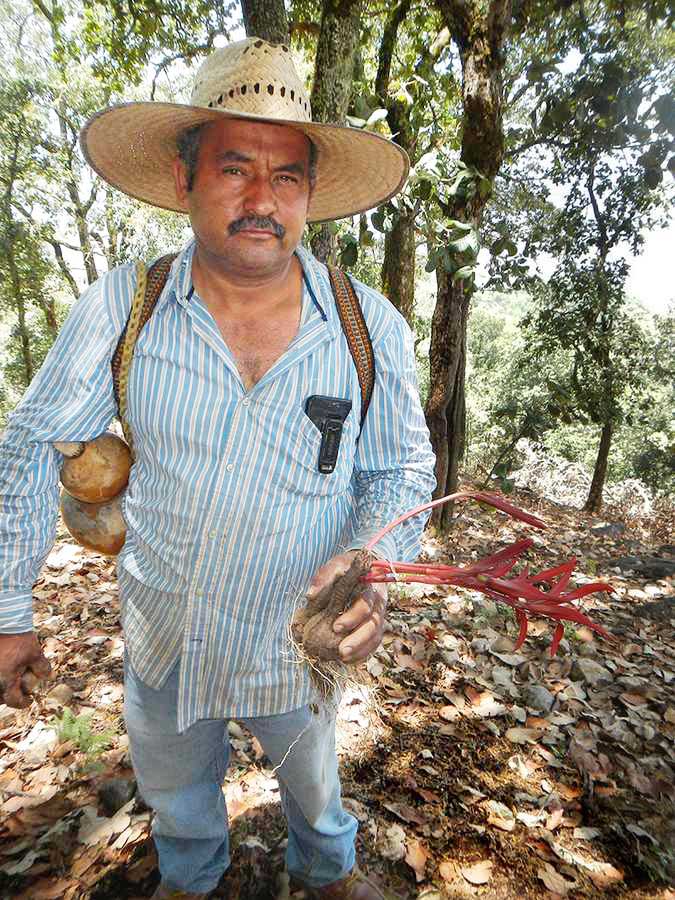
<point>132,146</point>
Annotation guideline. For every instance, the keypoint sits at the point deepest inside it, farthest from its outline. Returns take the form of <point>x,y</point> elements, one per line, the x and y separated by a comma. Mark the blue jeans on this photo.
<point>181,775</point>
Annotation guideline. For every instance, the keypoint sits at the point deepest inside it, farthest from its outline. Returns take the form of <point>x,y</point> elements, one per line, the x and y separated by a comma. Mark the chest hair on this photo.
<point>258,343</point>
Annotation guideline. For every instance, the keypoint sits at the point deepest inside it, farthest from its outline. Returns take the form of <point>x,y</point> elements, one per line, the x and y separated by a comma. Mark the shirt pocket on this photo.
<point>302,463</point>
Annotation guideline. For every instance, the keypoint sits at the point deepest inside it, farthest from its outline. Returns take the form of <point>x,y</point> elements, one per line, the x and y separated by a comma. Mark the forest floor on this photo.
<point>475,770</point>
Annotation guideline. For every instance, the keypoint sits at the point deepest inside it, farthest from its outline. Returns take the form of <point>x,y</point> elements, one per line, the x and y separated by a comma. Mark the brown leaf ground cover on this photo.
<point>474,770</point>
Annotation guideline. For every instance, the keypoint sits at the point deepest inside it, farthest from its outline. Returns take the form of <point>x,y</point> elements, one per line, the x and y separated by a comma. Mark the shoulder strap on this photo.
<point>150,284</point>
<point>357,334</point>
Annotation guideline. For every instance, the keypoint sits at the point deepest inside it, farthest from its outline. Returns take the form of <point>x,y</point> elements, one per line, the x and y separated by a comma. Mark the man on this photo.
<point>229,517</point>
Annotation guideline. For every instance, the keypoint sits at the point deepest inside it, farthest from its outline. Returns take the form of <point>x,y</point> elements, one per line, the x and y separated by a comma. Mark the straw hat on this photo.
<point>133,145</point>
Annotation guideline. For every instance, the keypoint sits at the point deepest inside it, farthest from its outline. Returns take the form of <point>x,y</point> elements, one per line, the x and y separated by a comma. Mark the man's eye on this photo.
<point>288,179</point>
<point>232,170</point>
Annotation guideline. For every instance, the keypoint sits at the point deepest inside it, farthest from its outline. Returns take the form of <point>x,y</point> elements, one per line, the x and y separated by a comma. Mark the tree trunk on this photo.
<point>65,271</point>
<point>334,62</point>
<point>479,31</point>
<point>266,19</point>
<point>398,268</point>
<point>26,352</point>
<point>324,246</point>
<point>48,308</point>
<point>594,501</point>
<point>455,415</point>
<point>332,85</point>
<point>444,359</point>
<point>80,215</point>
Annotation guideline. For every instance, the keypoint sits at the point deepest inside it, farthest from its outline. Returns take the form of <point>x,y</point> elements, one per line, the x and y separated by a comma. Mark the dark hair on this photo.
<point>188,151</point>
<point>188,142</point>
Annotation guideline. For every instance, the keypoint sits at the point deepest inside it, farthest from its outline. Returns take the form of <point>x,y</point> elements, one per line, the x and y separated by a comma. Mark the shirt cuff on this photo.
<point>16,613</point>
<point>385,548</point>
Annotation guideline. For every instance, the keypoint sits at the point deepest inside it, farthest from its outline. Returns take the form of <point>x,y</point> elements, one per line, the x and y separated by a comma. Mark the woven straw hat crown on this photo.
<point>133,145</point>
<point>252,77</point>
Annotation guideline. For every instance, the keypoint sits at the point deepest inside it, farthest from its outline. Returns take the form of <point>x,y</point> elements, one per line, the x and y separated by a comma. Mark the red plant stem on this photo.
<point>487,575</point>
<point>490,499</point>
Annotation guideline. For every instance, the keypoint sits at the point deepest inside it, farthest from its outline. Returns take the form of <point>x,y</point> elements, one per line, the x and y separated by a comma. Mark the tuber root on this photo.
<point>312,626</point>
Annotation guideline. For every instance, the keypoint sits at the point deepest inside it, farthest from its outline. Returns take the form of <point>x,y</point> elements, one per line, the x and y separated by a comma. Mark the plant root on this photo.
<point>313,624</point>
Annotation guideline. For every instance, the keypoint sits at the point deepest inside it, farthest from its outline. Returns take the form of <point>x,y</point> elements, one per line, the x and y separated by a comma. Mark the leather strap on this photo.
<point>150,285</point>
<point>357,334</point>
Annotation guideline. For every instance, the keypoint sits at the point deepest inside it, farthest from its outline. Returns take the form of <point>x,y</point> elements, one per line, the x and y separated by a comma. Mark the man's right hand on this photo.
<point>21,657</point>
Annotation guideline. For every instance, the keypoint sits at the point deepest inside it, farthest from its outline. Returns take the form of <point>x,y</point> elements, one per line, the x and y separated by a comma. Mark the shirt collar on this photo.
<point>317,298</point>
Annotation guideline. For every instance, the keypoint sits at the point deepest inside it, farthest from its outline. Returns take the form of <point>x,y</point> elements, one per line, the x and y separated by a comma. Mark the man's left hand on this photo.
<point>363,622</point>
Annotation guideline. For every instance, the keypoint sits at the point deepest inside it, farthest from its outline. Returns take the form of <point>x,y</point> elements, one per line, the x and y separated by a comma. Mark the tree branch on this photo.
<point>188,54</point>
<point>599,220</point>
<point>65,271</point>
<point>49,16</point>
<point>386,51</point>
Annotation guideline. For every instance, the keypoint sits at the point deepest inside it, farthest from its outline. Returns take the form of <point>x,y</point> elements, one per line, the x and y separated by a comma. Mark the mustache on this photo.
<point>265,223</point>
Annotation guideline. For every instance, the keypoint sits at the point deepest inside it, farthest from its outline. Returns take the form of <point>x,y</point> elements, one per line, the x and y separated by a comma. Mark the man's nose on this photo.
<point>260,197</point>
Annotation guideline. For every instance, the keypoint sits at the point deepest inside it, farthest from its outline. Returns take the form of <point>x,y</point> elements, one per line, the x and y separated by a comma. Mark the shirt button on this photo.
<point>213,534</point>
<point>230,467</point>
<point>245,402</point>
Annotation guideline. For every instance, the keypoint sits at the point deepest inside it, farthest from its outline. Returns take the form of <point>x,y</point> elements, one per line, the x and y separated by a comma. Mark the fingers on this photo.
<point>335,567</point>
<point>40,666</point>
<point>14,695</point>
<point>363,624</point>
<point>29,682</point>
<point>22,665</point>
<point>358,613</point>
<point>359,644</point>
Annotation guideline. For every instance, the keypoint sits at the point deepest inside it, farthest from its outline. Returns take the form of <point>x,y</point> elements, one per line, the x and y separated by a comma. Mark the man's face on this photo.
<point>248,204</point>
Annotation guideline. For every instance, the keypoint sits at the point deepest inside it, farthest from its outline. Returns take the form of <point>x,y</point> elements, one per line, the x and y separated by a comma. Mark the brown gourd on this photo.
<point>94,475</point>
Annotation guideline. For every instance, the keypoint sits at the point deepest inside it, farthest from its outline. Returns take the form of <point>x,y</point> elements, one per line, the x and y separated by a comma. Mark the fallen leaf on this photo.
<point>585,834</point>
<point>606,875</point>
<point>553,880</point>
<point>500,816</point>
<point>640,832</point>
<point>408,662</point>
<point>519,735</point>
<point>511,659</point>
<point>537,722</point>
<point>488,706</point>
<point>567,792</point>
<point>95,828</point>
<point>554,819</point>
<point>393,844</point>
<point>428,796</point>
<point>531,820</point>
<point>416,857</point>
<point>633,699</point>
<point>480,873</point>
<point>448,871</point>
<point>405,812</point>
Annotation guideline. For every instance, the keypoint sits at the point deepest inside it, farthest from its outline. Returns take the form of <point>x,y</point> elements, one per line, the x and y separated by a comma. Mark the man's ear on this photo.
<point>180,181</point>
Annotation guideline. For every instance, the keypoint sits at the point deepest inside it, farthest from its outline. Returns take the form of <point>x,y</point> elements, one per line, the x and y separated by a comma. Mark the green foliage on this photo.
<point>78,729</point>
<point>506,387</point>
<point>123,37</point>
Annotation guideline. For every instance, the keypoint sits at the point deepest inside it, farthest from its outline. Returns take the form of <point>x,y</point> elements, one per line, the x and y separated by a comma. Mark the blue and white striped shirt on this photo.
<point>228,516</point>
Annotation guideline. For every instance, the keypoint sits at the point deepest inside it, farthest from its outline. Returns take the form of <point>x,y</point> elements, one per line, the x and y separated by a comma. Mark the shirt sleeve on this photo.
<point>394,469</point>
<point>70,399</point>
